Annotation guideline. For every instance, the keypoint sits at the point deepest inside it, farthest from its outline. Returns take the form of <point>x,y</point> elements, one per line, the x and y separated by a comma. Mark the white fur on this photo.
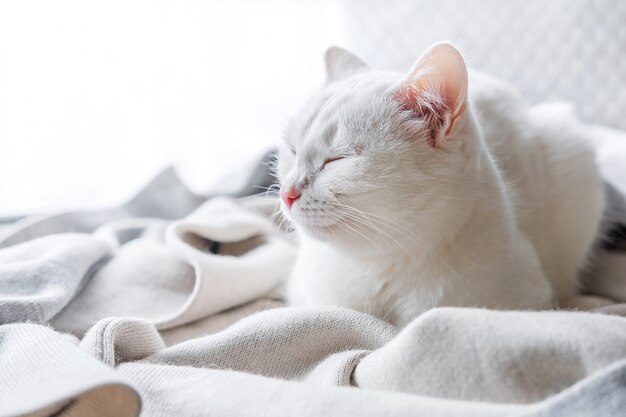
<point>502,213</point>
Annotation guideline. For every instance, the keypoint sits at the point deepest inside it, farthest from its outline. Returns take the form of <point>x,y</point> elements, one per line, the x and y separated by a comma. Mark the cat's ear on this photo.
<point>341,64</point>
<point>436,90</point>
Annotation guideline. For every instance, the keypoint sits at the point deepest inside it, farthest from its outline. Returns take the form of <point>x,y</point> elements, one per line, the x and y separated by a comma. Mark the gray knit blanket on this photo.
<point>167,306</point>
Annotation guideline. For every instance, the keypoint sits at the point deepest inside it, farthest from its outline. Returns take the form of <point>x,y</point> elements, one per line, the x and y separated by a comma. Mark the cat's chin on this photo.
<point>334,234</point>
<point>323,232</point>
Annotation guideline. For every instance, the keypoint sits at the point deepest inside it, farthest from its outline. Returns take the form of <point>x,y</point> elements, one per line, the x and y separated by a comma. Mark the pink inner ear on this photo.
<point>427,107</point>
<point>435,91</point>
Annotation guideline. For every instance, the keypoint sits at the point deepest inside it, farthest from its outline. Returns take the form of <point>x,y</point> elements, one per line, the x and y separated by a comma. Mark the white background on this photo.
<point>97,97</point>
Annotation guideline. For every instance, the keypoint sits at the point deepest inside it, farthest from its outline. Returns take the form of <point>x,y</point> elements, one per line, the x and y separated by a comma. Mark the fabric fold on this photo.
<point>143,279</point>
<point>42,374</point>
<point>255,262</point>
<point>599,395</point>
<point>116,340</point>
<point>497,356</point>
<point>282,343</point>
<point>192,392</point>
<point>168,275</point>
<point>38,278</point>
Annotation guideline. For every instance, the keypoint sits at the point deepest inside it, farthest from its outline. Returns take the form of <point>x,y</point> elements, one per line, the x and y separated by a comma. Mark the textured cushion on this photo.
<point>572,50</point>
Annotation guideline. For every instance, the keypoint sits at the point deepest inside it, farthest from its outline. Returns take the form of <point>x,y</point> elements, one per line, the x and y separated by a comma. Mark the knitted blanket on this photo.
<point>168,306</point>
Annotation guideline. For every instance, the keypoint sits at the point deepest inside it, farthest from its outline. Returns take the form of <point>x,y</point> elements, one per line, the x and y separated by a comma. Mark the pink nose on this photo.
<point>290,196</point>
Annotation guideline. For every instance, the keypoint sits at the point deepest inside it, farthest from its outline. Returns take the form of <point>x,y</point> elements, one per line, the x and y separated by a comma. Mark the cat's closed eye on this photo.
<point>329,160</point>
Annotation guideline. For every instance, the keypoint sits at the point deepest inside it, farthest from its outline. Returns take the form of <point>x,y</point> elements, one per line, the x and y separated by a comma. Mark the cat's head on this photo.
<point>374,154</point>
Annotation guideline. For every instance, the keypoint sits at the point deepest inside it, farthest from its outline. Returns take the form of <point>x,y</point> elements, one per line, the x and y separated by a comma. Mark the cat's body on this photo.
<point>467,199</point>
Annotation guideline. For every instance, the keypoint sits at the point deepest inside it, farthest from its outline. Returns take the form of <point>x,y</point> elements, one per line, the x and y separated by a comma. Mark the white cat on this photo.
<point>412,192</point>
